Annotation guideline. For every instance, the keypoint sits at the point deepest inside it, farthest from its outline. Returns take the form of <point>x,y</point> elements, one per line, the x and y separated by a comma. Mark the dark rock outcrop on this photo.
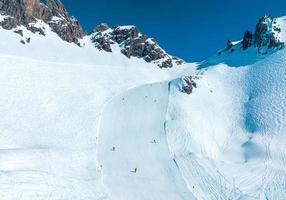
<point>189,84</point>
<point>102,42</point>
<point>101,27</point>
<point>20,32</point>
<point>265,37</point>
<point>228,48</point>
<point>68,28</point>
<point>178,61</point>
<point>27,12</point>
<point>9,23</point>
<point>185,84</point>
<point>229,44</point>
<point>266,34</point>
<point>132,43</point>
<point>247,40</point>
<point>166,63</point>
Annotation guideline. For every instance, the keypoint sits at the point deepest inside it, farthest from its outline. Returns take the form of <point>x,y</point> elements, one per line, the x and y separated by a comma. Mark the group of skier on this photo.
<point>135,169</point>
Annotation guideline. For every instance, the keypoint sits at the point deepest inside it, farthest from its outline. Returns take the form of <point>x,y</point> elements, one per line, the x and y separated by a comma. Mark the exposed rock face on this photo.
<point>229,44</point>
<point>266,37</point>
<point>20,32</point>
<point>178,61</point>
<point>266,34</point>
<point>25,12</point>
<point>166,63</point>
<point>189,84</point>
<point>102,42</point>
<point>9,23</point>
<point>32,8</point>
<point>185,84</point>
<point>247,40</point>
<point>101,27</point>
<point>68,28</point>
<point>133,44</point>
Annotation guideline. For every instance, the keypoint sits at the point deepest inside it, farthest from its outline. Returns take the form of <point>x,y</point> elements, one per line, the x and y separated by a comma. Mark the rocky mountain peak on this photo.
<point>267,33</point>
<point>133,43</point>
<point>267,36</point>
<point>129,39</point>
<point>53,12</point>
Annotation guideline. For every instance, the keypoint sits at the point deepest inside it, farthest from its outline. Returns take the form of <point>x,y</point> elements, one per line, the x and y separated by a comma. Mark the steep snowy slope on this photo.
<point>49,126</point>
<point>79,123</point>
<point>133,123</point>
<point>53,96</point>
<point>228,136</point>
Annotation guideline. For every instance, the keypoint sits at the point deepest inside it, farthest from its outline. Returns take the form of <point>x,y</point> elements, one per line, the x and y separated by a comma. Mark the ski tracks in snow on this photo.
<point>133,123</point>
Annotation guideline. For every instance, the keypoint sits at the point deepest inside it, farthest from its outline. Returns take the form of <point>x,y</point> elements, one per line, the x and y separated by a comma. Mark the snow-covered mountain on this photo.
<point>228,136</point>
<point>92,116</point>
<point>132,44</point>
<point>30,15</point>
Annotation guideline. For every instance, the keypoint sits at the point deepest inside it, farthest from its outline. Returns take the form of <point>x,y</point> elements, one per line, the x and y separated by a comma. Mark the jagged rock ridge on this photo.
<point>27,12</point>
<point>133,44</point>
<point>265,37</point>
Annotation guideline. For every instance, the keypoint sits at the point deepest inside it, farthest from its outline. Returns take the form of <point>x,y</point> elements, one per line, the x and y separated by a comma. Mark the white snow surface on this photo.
<point>228,136</point>
<point>53,98</point>
<point>64,108</point>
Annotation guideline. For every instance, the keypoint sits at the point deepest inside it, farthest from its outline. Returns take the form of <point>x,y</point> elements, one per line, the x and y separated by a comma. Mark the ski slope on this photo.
<point>228,137</point>
<point>64,108</point>
<point>49,127</point>
<point>53,98</point>
<point>133,123</point>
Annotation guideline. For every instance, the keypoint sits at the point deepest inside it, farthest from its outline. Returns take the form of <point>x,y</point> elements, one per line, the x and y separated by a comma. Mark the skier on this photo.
<point>154,141</point>
<point>135,170</point>
<point>113,149</point>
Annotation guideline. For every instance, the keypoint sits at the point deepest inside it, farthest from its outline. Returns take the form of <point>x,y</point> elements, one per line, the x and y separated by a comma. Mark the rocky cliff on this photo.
<point>267,33</point>
<point>27,12</point>
<point>133,43</point>
<point>265,37</point>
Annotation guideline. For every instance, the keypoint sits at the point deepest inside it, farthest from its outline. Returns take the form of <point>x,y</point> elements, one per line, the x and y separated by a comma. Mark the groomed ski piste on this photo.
<point>82,124</point>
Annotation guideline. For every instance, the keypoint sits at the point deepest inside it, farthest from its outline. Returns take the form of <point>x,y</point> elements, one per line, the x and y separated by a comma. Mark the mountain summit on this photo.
<point>269,35</point>
<point>27,12</point>
<point>133,44</point>
<point>53,13</point>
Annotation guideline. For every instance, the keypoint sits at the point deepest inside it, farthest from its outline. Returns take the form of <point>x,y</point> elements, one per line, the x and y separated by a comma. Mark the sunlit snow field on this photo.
<point>63,109</point>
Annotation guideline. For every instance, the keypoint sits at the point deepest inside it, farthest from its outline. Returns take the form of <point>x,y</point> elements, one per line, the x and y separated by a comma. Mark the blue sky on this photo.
<point>190,29</point>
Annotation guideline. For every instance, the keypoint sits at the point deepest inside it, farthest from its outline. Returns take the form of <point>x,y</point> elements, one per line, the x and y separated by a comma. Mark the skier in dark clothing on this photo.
<point>135,170</point>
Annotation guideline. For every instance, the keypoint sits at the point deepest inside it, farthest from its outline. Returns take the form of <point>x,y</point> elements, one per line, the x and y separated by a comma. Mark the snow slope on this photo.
<point>48,127</point>
<point>131,123</point>
<point>53,97</point>
<point>64,107</point>
<point>228,137</point>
